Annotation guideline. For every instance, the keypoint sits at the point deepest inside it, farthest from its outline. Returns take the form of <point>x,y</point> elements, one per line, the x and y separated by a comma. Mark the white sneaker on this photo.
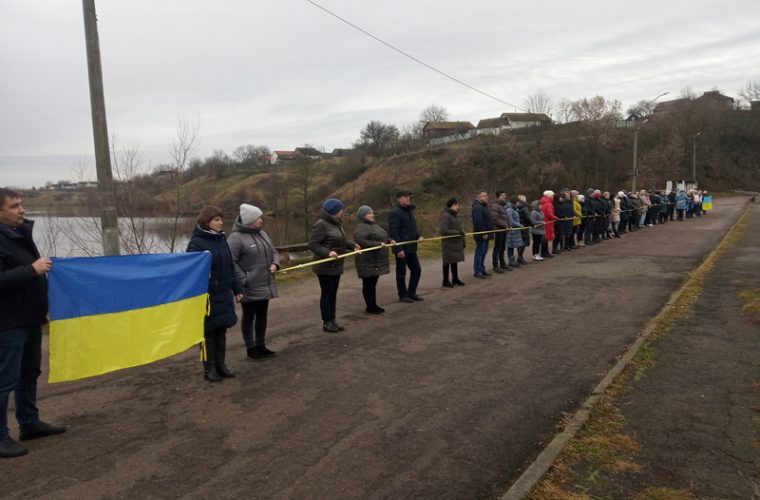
<point>537,257</point>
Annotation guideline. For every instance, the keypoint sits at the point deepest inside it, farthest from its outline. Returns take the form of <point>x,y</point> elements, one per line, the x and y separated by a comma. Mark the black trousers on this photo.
<point>411,261</point>
<point>369,291</point>
<point>499,245</point>
<point>537,243</point>
<point>254,319</point>
<point>328,284</point>
<point>454,272</point>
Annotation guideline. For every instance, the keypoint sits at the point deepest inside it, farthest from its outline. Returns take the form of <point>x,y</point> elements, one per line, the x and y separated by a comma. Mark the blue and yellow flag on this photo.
<point>109,313</point>
<point>706,203</point>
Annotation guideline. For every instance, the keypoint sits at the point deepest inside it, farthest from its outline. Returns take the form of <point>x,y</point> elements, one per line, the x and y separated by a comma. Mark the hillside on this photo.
<point>577,155</point>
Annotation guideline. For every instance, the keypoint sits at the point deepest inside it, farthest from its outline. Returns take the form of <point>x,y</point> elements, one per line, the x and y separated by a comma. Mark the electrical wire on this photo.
<point>315,4</point>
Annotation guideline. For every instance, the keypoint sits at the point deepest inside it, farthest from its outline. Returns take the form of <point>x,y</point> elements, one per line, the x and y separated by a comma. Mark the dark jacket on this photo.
<point>375,262</point>
<point>402,226</point>
<point>222,283</point>
<point>23,294</point>
<point>498,212</point>
<point>326,236</point>
<point>566,212</point>
<point>524,216</point>
<point>452,249</point>
<point>481,221</point>
<point>253,253</point>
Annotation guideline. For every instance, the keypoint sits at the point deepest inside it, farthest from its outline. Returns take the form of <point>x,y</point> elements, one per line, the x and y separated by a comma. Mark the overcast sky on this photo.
<point>283,73</point>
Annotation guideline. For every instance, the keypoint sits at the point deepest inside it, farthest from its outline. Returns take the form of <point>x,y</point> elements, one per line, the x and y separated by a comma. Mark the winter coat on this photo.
<point>577,212</point>
<point>375,262</point>
<point>402,226</point>
<point>498,212</point>
<point>615,210</point>
<point>253,253</point>
<point>537,219</point>
<point>481,221</point>
<point>514,238</point>
<point>664,205</point>
<point>547,208</point>
<point>222,282</point>
<point>327,236</point>
<point>566,211</point>
<point>524,216</point>
<point>452,249</point>
<point>681,201</point>
<point>23,294</point>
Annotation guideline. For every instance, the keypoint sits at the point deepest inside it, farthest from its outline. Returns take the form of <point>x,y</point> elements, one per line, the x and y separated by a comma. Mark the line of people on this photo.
<point>244,264</point>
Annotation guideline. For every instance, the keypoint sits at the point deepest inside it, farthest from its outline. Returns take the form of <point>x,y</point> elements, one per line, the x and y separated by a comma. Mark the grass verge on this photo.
<point>602,450</point>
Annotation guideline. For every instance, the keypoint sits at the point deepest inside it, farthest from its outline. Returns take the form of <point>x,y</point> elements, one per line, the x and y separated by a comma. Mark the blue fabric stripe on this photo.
<point>99,285</point>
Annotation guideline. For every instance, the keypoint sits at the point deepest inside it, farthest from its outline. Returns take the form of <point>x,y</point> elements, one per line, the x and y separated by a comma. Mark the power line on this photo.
<point>460,82</point>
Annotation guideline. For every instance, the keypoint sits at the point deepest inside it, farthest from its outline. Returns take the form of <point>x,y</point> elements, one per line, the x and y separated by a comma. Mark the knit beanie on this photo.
<point>249,213</point>
<point>451,202</point>
<point>549,193</point>
<point>363,211</point>
<point>332,206</point>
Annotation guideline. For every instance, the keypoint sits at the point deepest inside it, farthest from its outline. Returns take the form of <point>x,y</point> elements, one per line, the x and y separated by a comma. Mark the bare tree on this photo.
<point>433,113</point>
<point>376,137</point>
<point>130,201</point>
<point>642,109</point>
<point>251,156</point>
<point>539,102</point>
<point>182,149</point>
<point>750,92</point>
<point>597,116</point>
<point>564,111</point>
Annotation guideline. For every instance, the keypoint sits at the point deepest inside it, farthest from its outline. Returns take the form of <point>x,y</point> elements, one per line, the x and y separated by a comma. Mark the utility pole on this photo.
<point>108,220</point>
<point>635,155</point>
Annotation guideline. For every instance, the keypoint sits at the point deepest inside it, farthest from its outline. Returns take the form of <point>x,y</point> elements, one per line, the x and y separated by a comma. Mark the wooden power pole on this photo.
<point>108,220</point>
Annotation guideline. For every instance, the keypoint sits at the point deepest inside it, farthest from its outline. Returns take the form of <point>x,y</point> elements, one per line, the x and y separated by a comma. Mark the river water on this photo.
<point>77,236</point>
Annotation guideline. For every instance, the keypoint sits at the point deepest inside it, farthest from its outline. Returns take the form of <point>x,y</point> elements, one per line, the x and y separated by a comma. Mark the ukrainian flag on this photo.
<point>706,203</point>
<point>109,313</point>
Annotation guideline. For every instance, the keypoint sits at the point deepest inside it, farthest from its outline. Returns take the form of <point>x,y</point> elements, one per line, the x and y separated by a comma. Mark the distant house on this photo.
<point>64,186</point>
<point>523,120</point>
<point>311,153</point>
<point>87,184</point>
<point>711,98</point>
<point>279,157</point>
<point>492,126</point>
<point>342,151</point>
<point>444,132</point>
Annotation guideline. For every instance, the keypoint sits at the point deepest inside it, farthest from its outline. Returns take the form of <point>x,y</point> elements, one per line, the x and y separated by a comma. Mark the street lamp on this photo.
<point>636,142</point>
<point>694,158</point>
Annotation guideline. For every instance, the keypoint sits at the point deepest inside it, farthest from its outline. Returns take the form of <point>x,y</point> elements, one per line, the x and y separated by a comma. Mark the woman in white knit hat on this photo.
<point>256,260</point>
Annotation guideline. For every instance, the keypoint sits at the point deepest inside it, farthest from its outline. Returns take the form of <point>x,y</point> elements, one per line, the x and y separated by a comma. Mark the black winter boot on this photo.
<point>221,347</point>
<point>209,365</point>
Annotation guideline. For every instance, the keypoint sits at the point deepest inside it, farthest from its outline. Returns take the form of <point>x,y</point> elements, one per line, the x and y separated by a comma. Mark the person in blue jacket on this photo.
<point>680,204</point>
<point>223,288</point>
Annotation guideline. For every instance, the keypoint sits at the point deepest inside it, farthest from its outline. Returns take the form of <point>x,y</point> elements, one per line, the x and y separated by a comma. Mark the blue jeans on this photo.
<point>481,250</point>
<point>20,358</point>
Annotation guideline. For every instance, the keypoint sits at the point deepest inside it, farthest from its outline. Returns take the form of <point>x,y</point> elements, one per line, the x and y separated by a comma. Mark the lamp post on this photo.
<point>636,142</point>
<point>694,158</point>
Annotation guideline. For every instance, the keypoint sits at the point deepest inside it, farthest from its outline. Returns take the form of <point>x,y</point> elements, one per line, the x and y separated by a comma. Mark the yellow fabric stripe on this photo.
<point>93,345</point>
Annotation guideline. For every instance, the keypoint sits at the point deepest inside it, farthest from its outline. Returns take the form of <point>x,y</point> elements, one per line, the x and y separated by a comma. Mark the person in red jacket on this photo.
<point>547,208</point>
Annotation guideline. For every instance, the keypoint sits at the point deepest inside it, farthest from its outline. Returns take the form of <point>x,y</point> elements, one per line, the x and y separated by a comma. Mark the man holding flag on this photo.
<point>23,311</point>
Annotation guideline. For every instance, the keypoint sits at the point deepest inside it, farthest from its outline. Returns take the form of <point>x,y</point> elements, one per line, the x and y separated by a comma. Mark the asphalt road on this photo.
<point>447,398</point>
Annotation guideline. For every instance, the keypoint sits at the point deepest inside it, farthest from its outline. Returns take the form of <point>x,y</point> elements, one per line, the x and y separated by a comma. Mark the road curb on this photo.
<point>541,465</point>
